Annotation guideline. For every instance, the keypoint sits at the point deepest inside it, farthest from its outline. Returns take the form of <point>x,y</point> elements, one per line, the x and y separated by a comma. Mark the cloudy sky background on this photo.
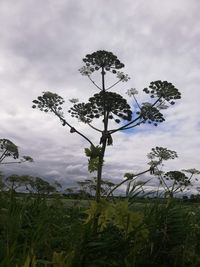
<point>42,44</point>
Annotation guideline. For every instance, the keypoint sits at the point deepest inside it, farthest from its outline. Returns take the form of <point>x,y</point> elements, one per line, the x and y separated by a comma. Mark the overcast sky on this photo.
<point>42,44</point>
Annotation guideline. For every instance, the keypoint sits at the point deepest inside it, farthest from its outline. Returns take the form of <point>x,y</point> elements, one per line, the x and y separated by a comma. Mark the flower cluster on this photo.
<point>131,92</point>
<point>49,102</point>
<point>163,90</point>
<point>162,153</point>
<point>123,77</point>
<point>179,178</point>
<point>82,112</point>
<point>150,114</point>
<point>103,59</point>
<point>113,103</point>
<point>86,70</point>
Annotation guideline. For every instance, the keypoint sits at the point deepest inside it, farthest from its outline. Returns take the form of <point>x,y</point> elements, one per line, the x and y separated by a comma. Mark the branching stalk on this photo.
<point>136,102</point>
<point>94,83</point>
<point>113,85</point>
<point>133,121</point>
<point>94,128</point>
<point>74,130</point>
<point>2,157</point>
<point>124,181</point>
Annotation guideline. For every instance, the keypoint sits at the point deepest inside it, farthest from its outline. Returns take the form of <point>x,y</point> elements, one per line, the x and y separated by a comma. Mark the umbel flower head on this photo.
<point>49,102</point>
<point>150,114</point>
<point>131,92</point>
<point>102,59</point>
<point>123,77</point>
<point>163,90</point>
<point>162,153</point>
<point>113,103</point>
<point>179,178</point>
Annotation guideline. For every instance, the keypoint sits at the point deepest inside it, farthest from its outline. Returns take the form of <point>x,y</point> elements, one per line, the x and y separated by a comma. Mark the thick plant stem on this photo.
<point>98,187</point>
<point>99,172</point>
<point>104,140</point>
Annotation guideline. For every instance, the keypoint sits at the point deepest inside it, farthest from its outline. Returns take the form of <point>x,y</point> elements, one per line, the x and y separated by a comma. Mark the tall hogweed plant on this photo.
<point>109,106</point>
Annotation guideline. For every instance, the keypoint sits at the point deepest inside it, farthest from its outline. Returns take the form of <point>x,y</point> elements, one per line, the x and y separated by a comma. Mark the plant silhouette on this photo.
<point>109,106</point>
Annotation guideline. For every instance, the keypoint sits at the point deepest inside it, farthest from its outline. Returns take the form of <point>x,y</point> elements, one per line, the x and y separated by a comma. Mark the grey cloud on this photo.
<point>41,48</point>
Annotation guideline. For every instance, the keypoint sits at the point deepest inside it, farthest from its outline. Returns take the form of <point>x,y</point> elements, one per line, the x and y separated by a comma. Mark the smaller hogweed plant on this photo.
<point>109,106</point>
<point>8,151</point>
<point>172,182</point>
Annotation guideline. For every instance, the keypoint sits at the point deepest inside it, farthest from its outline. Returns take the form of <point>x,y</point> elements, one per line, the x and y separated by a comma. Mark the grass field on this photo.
<point>60,232</point>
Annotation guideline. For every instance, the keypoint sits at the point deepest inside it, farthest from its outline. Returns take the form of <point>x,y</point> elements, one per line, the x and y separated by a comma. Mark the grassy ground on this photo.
<point>60,232</point>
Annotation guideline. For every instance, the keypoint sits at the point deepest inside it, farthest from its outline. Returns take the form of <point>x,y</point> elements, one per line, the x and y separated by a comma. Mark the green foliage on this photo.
<point>60,259</point>
<point>30,261</point>
<point>39,232</point>
<point>171,232</point>
<point>31,230</point>
<point>93,164</point>
<point>2,183</point>
<point>117,214</point>
<point>93,154</point>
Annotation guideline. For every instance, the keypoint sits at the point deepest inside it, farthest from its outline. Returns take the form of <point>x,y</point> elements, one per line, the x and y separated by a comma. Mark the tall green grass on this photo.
<point>38,232</point>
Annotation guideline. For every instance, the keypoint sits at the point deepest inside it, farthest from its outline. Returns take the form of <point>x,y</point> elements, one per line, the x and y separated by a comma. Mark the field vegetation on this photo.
<point>37,230</point>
